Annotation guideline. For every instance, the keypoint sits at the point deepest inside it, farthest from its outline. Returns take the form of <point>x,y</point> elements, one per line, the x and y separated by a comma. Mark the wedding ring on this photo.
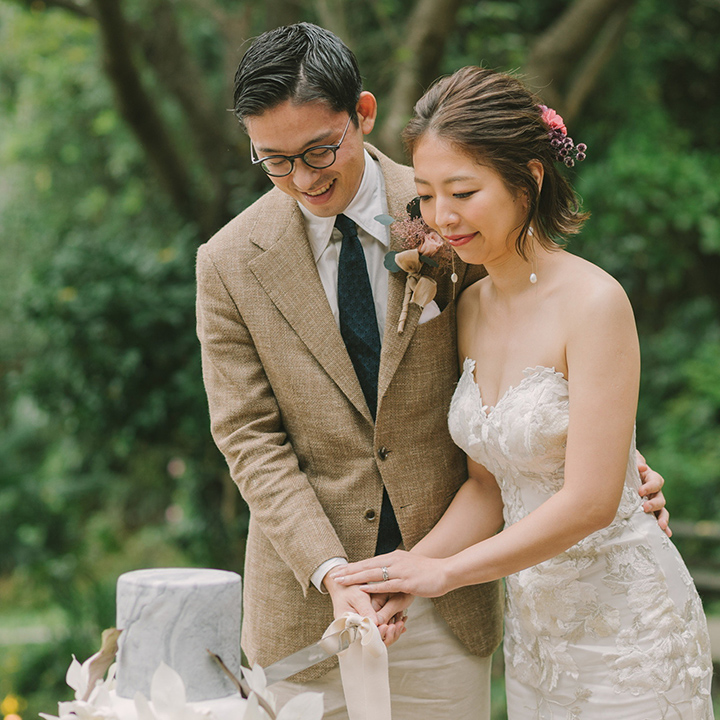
<point>386,577</point>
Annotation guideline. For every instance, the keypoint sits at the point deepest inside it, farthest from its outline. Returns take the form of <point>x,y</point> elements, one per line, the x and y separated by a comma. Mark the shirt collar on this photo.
<point>370,200</point>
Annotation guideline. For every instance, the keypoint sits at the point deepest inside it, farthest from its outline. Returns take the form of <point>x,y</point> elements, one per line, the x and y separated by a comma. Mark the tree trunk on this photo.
<point>143,116</point>
<point>567,58</point>
<point>331,16</point>
<point>166,52</point>
<point>429,26</point>
<point>282,12</point>
<point>598,56</point>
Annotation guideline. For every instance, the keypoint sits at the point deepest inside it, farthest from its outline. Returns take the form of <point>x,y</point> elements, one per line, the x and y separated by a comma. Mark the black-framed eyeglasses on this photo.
<point>317,157</point>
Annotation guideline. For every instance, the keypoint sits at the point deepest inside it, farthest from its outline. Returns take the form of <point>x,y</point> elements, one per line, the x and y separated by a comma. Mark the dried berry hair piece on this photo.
<point>563,147</point>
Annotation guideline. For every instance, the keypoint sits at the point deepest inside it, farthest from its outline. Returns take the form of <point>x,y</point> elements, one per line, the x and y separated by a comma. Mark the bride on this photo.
<point>602,616</point>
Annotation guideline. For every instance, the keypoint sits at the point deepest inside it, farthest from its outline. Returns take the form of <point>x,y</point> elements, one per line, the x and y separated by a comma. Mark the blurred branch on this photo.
<point>82,9</point>
<point>599,55</point>
<point>166,52</point>
<point>142,115</point>
<point>235,32</point>
<point>419,58</point>
<point>282,12</point>
<point>332,17</point>
<point>234,29</point>
<point>217,13</point>
<point>393,32</point>
<point>579,37</point>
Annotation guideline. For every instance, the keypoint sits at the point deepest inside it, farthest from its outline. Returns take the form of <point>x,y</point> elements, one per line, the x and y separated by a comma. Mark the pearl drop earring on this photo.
<point>533,275</point>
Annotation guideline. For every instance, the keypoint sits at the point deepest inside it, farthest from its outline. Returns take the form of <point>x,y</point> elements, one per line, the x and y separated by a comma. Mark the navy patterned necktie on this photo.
<point>359,329</point>
<point>358,321</point>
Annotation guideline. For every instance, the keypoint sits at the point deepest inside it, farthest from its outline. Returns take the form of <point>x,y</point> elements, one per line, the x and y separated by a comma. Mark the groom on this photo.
<point>333,423</point>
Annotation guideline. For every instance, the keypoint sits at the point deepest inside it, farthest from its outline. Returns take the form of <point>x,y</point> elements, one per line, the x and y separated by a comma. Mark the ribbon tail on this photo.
<point>364,673</point>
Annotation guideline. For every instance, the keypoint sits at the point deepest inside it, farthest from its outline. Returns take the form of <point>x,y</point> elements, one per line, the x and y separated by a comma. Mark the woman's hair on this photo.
<point>494,119</point>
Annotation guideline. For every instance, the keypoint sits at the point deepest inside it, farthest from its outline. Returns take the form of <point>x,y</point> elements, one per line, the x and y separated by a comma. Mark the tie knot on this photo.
<point>346,226</point>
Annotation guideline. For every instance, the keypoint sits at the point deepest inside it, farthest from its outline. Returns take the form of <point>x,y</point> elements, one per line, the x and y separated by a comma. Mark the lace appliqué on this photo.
<point>675,639</point>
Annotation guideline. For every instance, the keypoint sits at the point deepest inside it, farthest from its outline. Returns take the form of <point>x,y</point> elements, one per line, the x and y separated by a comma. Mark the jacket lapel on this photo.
<point>288,274</point>
<point>400,189</point>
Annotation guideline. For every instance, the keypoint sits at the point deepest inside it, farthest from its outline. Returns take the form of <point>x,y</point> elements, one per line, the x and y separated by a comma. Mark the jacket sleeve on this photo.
<point>247,427</point>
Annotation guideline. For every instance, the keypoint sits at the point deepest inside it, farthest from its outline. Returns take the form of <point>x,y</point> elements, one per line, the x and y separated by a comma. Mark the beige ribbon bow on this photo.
<point>363,668</point>
<point>418,288</point>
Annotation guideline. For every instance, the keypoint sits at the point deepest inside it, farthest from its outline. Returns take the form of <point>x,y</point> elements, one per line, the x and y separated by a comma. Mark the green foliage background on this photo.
<point>106,462</point>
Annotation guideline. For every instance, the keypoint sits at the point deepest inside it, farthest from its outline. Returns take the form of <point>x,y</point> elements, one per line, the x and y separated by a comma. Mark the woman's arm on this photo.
<point>474,515</point>
<point>604,368</point>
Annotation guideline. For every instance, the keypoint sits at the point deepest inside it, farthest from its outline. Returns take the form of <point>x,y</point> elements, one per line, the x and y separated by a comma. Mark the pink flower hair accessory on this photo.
<point>563,147</point>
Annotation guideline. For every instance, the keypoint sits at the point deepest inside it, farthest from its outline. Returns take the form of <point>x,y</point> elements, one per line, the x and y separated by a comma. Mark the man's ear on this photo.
<point>367,111</point>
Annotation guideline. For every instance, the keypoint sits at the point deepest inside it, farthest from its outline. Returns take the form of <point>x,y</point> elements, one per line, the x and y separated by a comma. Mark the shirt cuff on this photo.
<point>317,577</point>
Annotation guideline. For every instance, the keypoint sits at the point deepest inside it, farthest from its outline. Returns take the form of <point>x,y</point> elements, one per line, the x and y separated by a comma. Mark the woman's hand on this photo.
<point>396,572</point>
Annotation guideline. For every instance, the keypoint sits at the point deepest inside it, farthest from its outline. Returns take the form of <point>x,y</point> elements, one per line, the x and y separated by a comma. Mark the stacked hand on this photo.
<point>387,610</point>
<point>397,572</point>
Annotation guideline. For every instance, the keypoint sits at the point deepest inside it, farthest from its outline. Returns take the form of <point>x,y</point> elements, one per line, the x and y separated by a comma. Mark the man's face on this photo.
<point>290,129</point>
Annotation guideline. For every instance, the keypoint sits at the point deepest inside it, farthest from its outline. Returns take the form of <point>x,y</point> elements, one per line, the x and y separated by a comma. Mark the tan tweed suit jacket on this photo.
<point>288,413</point>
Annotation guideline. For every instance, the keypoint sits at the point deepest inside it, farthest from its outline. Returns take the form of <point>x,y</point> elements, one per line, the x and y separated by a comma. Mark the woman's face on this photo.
<point>467,203</point>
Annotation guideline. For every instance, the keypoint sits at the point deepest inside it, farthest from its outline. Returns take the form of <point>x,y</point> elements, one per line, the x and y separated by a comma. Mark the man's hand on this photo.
<point>352,599</point>
<point>391,612</point>
<point>651,490</point>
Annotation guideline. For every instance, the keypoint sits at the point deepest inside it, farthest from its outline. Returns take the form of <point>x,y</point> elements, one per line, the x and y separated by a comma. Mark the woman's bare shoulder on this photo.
<point>594,302</point>
<point>586,287</point>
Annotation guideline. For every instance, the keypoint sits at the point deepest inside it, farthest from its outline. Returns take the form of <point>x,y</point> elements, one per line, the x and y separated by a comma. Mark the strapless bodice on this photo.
<point>522,438</point>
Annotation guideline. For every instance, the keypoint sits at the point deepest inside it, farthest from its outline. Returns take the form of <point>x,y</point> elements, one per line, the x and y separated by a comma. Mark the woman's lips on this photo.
<point>457,240</point>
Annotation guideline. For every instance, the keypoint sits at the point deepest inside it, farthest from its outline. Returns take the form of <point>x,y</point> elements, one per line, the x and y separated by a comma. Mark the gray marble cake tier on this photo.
<point>173,615</point>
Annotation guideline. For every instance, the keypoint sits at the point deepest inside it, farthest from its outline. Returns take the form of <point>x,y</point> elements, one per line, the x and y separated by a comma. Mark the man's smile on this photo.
<point>321,191</point>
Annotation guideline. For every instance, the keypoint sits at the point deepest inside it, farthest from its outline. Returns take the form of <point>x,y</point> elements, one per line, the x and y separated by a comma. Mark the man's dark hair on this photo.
<point>303,63</point>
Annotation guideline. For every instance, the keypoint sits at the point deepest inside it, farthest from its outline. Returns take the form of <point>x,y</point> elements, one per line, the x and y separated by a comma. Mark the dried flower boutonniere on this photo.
<point>422,246</point>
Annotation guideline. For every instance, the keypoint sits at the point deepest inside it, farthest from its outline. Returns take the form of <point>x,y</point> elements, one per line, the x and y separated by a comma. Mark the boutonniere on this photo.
<point>422,246</point>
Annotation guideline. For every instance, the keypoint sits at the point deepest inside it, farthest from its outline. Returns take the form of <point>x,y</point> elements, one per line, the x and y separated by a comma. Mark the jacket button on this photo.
<point>383,452</point>
<point>370,515</point>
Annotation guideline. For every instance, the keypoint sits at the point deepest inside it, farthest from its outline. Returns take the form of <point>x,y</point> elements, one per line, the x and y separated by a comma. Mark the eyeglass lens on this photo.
<point>317,158</point>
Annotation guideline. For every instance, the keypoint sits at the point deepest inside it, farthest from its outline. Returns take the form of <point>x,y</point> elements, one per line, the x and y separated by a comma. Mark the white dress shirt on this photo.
<point>325,241</point>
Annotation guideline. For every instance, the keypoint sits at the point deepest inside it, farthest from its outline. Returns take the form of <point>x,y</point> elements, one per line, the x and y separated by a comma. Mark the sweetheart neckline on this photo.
<point>528,373</point>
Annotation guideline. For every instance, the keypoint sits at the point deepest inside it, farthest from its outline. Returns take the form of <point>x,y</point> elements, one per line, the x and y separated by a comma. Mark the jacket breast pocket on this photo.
<point>432,352</point>
<point>441,326</point>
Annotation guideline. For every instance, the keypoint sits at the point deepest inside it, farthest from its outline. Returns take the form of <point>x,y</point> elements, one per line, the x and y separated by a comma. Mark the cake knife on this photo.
<point>311,655</point>
<point>327,647</point>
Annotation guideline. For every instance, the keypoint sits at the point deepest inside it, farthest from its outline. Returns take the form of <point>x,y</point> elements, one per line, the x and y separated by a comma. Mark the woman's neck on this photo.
<point>513,275</point>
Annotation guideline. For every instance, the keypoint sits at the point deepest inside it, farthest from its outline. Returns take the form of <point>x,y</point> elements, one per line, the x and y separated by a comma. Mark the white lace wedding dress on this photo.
<point>611,629</point>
